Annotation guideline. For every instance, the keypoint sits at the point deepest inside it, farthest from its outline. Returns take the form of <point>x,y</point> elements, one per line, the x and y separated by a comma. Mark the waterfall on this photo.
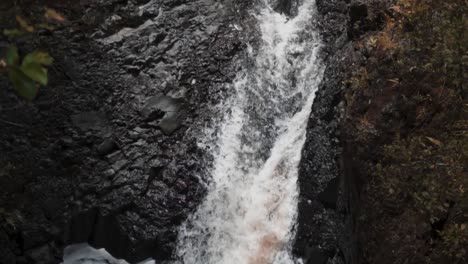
<point>249,214</point>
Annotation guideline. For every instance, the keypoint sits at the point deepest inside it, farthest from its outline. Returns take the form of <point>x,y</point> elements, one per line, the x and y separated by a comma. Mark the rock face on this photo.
<point>287,7</point>
<point>325,223</point>
<point>111,144</point>
<point>170,112</point>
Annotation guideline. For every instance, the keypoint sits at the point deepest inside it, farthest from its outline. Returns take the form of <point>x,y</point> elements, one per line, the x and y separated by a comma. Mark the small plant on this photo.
<point>27,74</point>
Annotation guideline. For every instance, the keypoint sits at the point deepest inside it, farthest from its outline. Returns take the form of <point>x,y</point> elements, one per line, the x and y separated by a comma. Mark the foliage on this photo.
<point>455,241</point>
<point>407,118</point>
<point>29,73</point>
<point>439,35</point>
<point>429,173</point>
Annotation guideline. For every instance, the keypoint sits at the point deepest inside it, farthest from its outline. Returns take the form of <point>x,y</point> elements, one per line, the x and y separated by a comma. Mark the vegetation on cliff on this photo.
<point>30,72</point>
<point>406,117</point>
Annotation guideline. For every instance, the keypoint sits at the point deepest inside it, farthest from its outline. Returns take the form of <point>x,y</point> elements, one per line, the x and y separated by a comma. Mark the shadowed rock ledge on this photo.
<point>325,221</point>
<point>107,153</point>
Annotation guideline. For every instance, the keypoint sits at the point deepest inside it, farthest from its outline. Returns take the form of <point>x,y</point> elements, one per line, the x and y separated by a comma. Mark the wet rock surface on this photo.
<point>112,156</point>
<point>325,221</point>
<point>287,7</point>
<point>169,111</point>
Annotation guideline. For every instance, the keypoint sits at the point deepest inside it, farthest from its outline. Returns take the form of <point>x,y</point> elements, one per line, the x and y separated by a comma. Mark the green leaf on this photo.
<point>12,56</point>
<point>32,66</point>
<point>38,57</point>
<point>23,85</point>
<point>35,72</point>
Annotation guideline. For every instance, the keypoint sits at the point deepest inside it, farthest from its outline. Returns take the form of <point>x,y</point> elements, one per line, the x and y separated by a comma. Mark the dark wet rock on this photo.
<point>325,221</point>
<point>109,195</point>
<point>67,142</point>
<point>329,196</point>
<point>41,255</point>
<point>115,157</point>
<point>316,256</point>
<point>157,106</point>
<point>119,164</point>
<point>134,61</point>
<point>90,120</point>
<point>132,69</point>
<point>99,231</point>
<point>288,7</point>
<point>109,173</point>
<point>169,111</point>
<point>111,23</point>
<point>106,147</point>
<point>156,38</point>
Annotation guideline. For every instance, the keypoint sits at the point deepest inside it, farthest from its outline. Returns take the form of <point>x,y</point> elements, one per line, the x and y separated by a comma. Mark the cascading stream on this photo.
<point>249,213</point>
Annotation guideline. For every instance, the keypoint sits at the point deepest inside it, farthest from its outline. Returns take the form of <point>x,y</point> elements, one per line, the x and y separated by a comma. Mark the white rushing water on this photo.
<point>249,214</point>
<point>85,254</point>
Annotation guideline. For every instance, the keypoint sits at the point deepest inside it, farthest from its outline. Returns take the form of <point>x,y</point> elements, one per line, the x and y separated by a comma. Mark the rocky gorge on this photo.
<point>108,152</point>
<point>123,130</point>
